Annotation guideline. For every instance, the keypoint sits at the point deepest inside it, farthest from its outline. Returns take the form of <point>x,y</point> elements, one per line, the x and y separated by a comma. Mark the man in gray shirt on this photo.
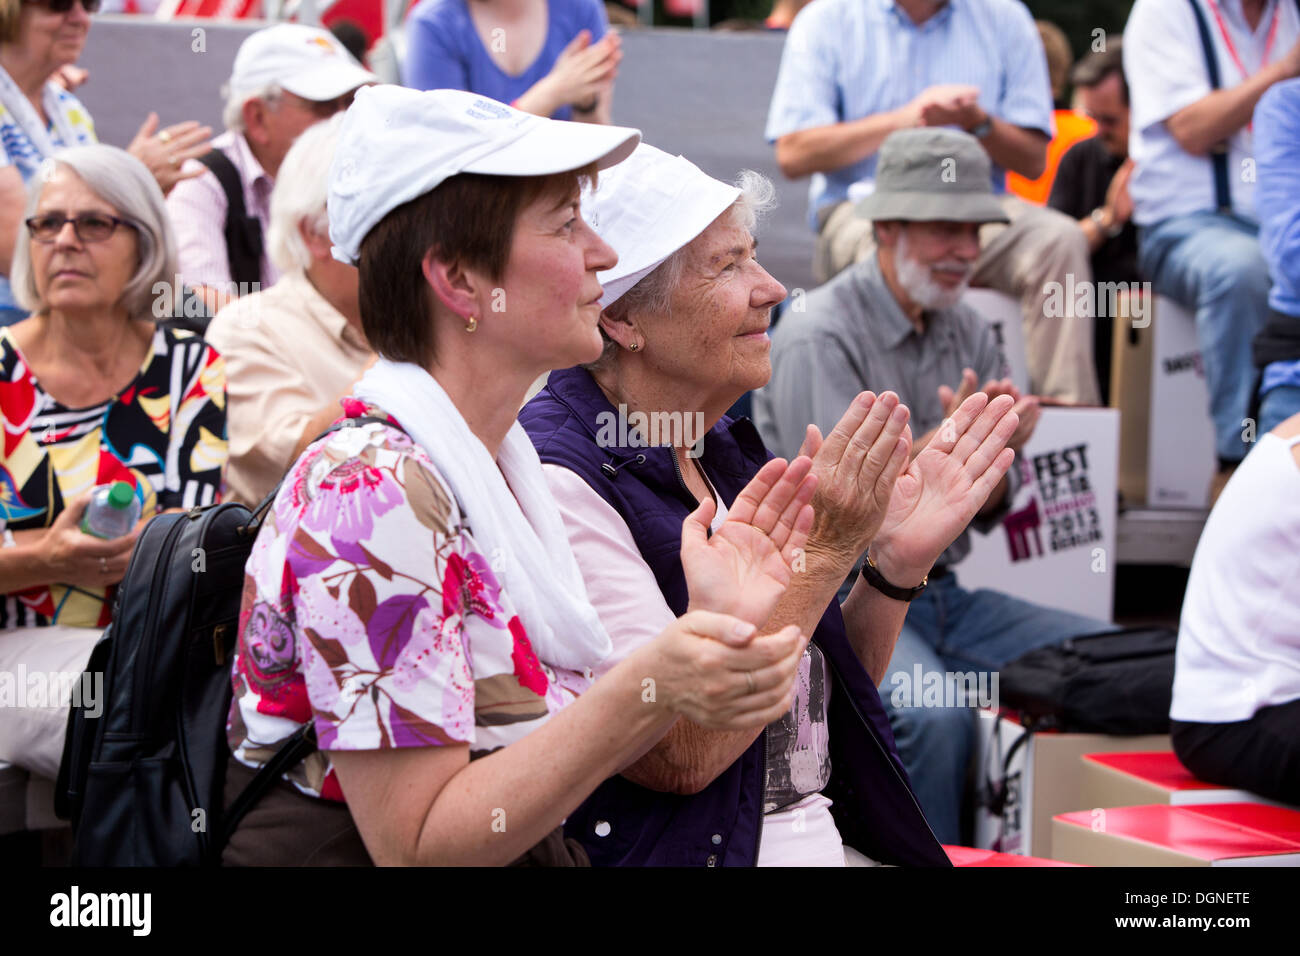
<point>895,322</point>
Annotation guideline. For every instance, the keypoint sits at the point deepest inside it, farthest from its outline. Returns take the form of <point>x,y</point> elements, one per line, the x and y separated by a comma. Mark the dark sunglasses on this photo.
<point>89,226</point>
<point>63,6</point>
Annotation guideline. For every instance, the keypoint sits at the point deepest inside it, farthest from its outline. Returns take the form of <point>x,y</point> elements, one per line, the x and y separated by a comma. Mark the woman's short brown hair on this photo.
<point>470,219</point>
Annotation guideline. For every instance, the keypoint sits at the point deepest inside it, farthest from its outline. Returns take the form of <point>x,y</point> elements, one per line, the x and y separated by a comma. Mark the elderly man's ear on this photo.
<point>887,232</point>
<point>617,323</point>
<point>318,243</point>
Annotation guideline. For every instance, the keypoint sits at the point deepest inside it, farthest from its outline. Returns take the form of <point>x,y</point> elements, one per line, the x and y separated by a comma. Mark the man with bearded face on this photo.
<point>895,321</point>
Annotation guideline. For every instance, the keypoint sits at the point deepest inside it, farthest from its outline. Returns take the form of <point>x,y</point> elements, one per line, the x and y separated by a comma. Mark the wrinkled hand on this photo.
<point>712,670</point>
<point>944,488</point>
<point>73,557</point>
<point>856,467</point>
<point>165,152</point>
<point>584,70</point>
<point>745,566</point>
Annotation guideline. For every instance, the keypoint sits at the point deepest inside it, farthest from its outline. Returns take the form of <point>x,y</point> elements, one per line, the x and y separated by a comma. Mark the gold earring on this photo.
<point>472,324</point>
<point>634,346</point>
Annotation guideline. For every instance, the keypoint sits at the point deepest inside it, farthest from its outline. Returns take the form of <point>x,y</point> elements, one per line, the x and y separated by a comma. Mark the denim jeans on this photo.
<point>952,630</point>
<point>1211,264</point>
<point>1277,406</point>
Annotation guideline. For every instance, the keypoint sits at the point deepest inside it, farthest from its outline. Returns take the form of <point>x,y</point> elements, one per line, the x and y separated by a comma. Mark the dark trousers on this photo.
<point>1261,755</point>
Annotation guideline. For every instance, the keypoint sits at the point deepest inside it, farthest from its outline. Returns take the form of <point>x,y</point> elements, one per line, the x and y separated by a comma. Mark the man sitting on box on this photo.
<point>894,321</point>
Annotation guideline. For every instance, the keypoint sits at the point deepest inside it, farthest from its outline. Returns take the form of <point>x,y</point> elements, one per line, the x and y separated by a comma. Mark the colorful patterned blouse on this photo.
<point>165,434</point>
<point>369,609</point>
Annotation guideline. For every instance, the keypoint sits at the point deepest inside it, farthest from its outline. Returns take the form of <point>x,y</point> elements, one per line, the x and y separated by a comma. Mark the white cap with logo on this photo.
<point>648,208</point>
<point>306,61</point>
<point>397,144</point>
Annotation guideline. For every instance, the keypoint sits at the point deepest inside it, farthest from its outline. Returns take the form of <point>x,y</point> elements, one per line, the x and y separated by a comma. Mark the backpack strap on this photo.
<point>1219,153</point>
<point>243,232</point>
<point>292,752</point>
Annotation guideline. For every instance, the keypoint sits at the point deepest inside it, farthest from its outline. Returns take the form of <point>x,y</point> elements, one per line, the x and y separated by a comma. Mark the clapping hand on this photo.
<point>945,486</point>
<point>745,566</point>
<point>1028,408</point>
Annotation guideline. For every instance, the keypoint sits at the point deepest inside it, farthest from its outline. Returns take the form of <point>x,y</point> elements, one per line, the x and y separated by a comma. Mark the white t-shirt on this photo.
<point>623,589</point>
<point>1239,639</point>
<point>1164,64</point>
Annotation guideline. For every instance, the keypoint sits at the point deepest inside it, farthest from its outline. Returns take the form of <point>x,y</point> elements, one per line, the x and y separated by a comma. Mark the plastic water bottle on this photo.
<point>112,512</point>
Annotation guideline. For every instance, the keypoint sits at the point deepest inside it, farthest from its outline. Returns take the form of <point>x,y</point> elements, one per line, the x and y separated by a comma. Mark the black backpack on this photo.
<point>142,782</point>
<point>243,232</point>
<point>1120,682</point>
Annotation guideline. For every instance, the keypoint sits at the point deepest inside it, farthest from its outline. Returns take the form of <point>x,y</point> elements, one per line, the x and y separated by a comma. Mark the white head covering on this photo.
<point>397,144</point>
<point>647,208</point>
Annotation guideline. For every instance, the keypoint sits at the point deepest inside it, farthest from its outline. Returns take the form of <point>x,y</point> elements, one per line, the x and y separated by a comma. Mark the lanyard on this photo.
<point>1232,49</point>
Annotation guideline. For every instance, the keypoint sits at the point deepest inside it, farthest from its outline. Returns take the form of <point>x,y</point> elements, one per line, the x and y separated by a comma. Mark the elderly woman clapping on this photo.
<point>685,318</point>
<point>413,596</point>
<point>94,393</point>
<point>39,39</point>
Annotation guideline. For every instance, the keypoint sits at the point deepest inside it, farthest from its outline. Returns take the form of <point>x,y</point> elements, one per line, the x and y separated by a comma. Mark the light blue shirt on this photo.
<point>1277,192</point>
<point>848,59</point>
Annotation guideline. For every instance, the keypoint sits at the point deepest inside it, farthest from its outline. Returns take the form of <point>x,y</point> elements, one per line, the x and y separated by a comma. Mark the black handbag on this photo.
<point>1116,682</point>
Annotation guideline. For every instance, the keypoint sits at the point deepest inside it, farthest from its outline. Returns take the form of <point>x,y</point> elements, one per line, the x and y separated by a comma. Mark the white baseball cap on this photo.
<point>306,61</point>
<point>649,207</point>
<point>397,144</point>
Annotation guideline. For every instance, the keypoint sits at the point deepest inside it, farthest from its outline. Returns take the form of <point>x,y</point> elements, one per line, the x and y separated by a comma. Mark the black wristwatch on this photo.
<point>877,580</point>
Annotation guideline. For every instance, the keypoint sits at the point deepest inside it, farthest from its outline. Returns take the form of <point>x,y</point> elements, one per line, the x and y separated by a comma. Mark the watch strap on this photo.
<point>877,580</point>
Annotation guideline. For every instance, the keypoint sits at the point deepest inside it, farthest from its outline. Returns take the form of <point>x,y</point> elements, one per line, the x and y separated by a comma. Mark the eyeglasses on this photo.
<point>89,226</point>
<point>63,6</point>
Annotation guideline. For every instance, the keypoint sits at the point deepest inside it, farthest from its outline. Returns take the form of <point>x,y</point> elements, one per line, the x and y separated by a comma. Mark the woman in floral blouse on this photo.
<point>92,391</point>
<point>413,594</point>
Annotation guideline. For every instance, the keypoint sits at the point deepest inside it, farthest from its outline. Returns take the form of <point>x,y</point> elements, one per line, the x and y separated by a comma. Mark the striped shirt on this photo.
<point>164,434</point>
<point>848,59</point>
<point>197,208</point>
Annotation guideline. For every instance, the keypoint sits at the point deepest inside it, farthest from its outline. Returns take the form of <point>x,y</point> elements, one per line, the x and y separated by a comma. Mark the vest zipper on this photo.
<point>879,746</point>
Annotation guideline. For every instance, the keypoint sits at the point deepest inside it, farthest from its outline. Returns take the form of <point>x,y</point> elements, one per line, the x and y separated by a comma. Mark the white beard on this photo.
<point>920,285</point>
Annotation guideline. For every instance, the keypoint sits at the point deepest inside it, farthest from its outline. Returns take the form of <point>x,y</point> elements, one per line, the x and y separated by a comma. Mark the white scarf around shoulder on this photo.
<point>516,526</point>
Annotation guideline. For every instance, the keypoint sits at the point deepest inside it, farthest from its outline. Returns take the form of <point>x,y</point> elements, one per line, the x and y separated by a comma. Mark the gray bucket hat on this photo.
<point>933,174</point>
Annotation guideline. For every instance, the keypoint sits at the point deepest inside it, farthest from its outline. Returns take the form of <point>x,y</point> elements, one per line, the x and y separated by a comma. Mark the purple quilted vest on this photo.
<point>623,824</point>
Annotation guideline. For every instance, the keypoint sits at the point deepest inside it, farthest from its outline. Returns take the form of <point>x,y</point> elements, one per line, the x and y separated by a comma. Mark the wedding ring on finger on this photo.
<point>749,676</point>
<point>174,161</point>
<point>103,569</point>
<point>165,137</point>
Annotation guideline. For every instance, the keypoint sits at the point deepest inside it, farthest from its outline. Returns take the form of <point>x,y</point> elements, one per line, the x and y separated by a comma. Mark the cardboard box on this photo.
<point>1181,458</point>
<point>1241,834</point>
<point>1044,778</point>
<point>1130,392</point>
<point>1133,779</point>
<point>1002,312</point>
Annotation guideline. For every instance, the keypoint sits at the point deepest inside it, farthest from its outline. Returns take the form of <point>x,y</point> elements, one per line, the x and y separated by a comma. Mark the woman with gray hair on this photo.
<point>294,350</point>
<point>93,393</point>
<point>639,439</point>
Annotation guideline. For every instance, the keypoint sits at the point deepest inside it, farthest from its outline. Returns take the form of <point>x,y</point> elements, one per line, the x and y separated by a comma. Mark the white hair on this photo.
<point>232,113</point>
<point>299,195</point>
<point>126,184</point>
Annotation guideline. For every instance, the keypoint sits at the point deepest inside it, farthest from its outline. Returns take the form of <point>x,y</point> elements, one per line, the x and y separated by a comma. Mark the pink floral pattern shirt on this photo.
<point>369,609</point>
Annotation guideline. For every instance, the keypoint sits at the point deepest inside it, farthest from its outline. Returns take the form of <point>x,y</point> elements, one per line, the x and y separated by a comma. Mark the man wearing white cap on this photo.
<point>285,78</point>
